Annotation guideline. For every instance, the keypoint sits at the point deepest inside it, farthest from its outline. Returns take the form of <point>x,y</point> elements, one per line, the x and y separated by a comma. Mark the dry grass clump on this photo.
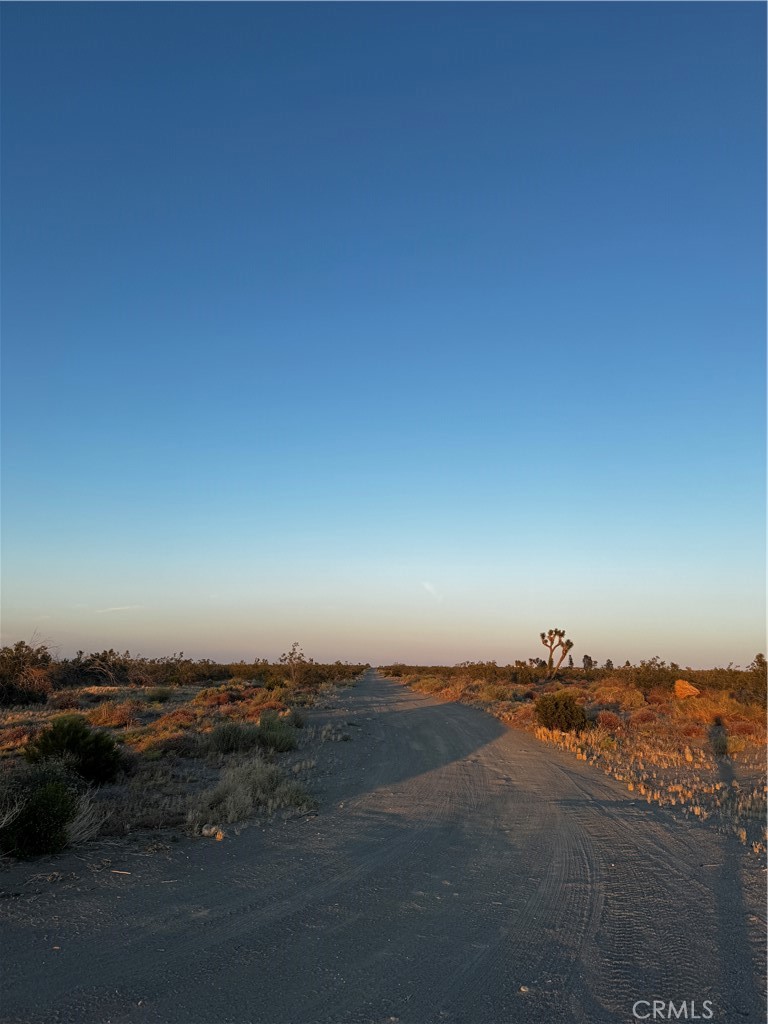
<point>250,710</point>
<point>276,733</point>
<point>230,693</point>
<point>614,693</point>
<point>89,820</point>
<point>609,720</point>
<point>181,718</point>
<point>242,790</point>
<point>233,737</point>
<point>115,714</point>
<point>65,700</point>
<point>643,717</point>
<point>159,694</point>
<point>14,737</point>
<point>156,795</point>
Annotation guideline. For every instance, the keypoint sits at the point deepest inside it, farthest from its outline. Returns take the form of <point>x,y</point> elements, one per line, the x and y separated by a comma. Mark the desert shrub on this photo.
<point>14,736</point>
<point>691,730</point>
<point>30,686</point>
<point>609,720</point>
<point>181,718</point>
<point>295,718</point>
<point>114,713</point>
<point>659,695</point>
<point>24,674</point>
<point>276,733</point>
<point>645,716</point>
<point>93,754</point>
<point>742,727</point>
<point>159,694</point>
<point>431,684</point>
<point>301,699</point>
<point>185,744</point>
<point>216,696</point>
<point>619,694</point>
<point>230,737</point>
<point>41,825</point>
<point>560,711</point>
<point>494,691</point>
<point>241,791</point>
<point>38,804</point>
<point>64,700</point>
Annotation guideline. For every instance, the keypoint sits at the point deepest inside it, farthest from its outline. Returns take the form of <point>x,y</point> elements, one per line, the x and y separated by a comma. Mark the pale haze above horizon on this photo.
<point>402,331</point>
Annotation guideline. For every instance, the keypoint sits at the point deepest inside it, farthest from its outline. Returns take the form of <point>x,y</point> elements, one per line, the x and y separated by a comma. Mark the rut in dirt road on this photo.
<point>457,873</point>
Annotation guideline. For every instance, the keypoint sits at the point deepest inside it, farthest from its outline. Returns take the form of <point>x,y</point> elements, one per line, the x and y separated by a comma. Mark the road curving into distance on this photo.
<point>457,873</point>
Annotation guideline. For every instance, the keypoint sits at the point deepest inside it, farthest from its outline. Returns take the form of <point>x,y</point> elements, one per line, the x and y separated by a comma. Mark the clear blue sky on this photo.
<point>403,330</point>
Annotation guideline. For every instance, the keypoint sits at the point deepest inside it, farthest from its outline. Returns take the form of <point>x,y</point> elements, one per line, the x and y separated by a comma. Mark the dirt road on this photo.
<point>457,873</point>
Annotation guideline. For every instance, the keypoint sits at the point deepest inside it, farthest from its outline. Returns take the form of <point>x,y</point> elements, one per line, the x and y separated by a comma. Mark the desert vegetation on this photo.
<point>107,743</point>
<point>691,740</point>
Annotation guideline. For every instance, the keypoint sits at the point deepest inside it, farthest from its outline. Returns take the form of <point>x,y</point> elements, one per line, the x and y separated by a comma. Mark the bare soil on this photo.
<point>457,872</point>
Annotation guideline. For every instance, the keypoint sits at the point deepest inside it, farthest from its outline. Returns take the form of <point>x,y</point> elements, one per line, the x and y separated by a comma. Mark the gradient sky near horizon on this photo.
<point>404,331</point>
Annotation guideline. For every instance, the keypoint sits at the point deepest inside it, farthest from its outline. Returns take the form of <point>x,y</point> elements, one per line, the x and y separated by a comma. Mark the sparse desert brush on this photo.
<point>229,693</point>
<point>691,730</point>
<point>232,737</point>
<point>613,692</point>
<point>38,803</point>
<point>65,700</point>
<point>156,796</point>
<point>31,686</point>
<point>643,717</point>
<point>91,753</point>
<point>88,821</point>
<point>430,684</point>
<point>276,733</point>
<point>250,710</point>
<point>659,695</point>
<point>522,716</point>
<point>159,694</point>
<point>183,743</point>
<point>494,691</point>
<point>609,720</point>
<point>151,742</point>
<point>744,727</point>
<point>115,714</point>
<point>243,790</point>
<point>181,718</point>
<point>300,699</point>
<point>14,736</point>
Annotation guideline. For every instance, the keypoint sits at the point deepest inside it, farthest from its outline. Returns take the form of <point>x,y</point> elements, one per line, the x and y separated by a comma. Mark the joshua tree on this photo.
<point>554,639</point>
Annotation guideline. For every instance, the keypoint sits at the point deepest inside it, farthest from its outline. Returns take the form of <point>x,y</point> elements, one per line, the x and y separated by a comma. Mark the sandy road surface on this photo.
<point>458,873</point>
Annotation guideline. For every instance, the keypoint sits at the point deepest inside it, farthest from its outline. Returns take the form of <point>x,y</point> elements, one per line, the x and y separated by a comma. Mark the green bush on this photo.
<point>560,711</point>
<point>92,753</point>
<point>37,803</point>
<point>41,825</point>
